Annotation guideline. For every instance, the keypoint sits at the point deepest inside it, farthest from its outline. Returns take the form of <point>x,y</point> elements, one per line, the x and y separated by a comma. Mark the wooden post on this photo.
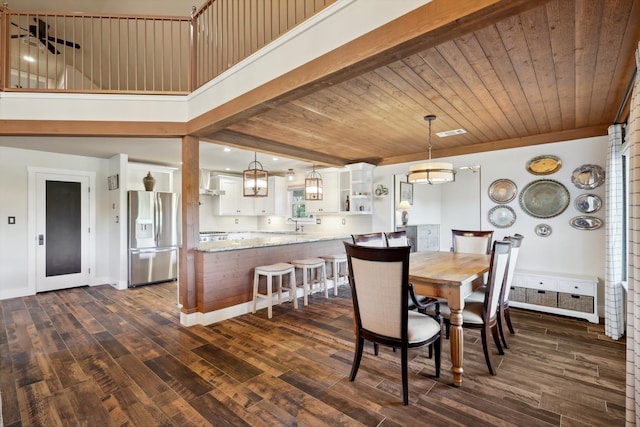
<point>190,224</point>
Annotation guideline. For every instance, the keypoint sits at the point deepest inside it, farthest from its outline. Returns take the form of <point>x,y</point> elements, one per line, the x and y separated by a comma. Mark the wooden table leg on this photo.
<point>456,341</point>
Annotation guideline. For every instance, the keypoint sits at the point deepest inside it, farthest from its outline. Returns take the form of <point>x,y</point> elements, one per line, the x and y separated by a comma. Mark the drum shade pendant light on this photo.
<point>255,180</point>
<point>313,185</point>
<point>431,172</point>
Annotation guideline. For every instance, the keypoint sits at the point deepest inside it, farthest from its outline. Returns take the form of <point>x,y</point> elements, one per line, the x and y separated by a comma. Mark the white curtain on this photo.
<point>613,301</point>
<point>633,276</point>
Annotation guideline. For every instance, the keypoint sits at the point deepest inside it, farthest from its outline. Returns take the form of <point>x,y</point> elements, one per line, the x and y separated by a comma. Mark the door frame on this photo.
<point>32,235</point>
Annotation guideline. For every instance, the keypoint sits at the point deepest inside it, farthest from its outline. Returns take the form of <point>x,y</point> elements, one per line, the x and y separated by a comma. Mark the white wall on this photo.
<point>14,239</point>
<point>566,250</point>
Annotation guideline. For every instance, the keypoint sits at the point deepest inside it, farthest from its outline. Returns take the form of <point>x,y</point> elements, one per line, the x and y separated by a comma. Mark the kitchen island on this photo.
<point>224,269</point>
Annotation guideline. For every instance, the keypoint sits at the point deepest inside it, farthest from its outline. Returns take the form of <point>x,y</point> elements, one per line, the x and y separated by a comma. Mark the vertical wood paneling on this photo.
<point>612,33</point>
<point>587,34</point>
<point>561,35</point>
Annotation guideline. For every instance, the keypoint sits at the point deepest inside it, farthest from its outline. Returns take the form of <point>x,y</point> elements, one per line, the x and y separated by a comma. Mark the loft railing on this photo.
<point>91,53</point>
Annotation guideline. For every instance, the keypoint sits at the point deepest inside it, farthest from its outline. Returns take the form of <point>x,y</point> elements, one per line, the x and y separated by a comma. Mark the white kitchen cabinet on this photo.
<point>330,194</point>
<point>564,294</point>
<point>276,201</point>
<point>232,202</point>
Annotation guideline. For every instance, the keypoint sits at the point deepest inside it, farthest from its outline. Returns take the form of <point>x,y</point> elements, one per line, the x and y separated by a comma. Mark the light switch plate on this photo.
<point>12,220</point>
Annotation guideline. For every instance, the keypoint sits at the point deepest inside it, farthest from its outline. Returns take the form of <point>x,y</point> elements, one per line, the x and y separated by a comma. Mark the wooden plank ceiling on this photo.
<point>551,71</point>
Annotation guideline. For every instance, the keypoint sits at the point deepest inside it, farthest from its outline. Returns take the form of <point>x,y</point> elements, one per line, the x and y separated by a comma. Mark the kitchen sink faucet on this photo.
<point>298,228</point>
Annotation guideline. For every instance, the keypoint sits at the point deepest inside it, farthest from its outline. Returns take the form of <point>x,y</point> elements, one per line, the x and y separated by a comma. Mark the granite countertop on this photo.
<point>259,242</point>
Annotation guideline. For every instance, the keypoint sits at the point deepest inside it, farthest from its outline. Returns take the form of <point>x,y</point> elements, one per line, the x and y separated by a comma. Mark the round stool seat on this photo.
<point>309,266</point>
<point>278,270</point>
<point>281,267</point>
<point>307,262</point>
<point>337,257</point>
<point>337,261</point>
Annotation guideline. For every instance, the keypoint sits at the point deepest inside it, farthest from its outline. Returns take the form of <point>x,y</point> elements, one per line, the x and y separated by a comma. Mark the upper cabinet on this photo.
<point>231,200</point>
<point>276,202</point>
<point>330,202</point>
<point>356,182</point>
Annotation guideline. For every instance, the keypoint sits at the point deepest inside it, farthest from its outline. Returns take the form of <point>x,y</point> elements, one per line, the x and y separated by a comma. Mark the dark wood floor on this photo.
<point>101,357</point>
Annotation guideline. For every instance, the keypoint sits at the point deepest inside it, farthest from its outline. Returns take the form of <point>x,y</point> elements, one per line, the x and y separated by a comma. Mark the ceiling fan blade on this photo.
<point>50,47</point>
<point>64,42</point>
<point>16,25</point>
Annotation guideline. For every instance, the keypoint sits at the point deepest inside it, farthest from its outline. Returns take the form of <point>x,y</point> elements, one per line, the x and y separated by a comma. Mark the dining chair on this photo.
<point>471,241</point>
<point>370,239</point>
<point>503,308</point>
<point>483,314</point>
<point>399,238</point>
<point>379,279</point>
<point>396,238</point>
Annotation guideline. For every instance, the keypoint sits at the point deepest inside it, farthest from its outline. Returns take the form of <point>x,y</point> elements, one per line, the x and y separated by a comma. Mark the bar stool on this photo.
<point>270,271</point>
<point>337,261</point>
<point>310,266</point>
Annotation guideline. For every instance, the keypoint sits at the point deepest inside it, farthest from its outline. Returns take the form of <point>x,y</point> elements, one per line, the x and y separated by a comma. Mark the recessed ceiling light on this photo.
<point>29,58</point>
<point>227,169</point>
<point>451,132</point>
<point>275,159</point>
<point>227,149</point>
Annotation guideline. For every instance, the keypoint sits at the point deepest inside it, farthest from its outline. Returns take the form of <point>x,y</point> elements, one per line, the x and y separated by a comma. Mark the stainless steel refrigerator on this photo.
<point>154,236</point>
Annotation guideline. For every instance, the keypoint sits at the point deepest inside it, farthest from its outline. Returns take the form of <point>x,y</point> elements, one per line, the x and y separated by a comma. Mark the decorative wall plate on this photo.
<point>502,190</point>
<point>588,203</point>
<point>502,216</point>
<point>587,177</point>
<point>586,222</point>
<point>543,230</point>
<point>544,198</point>
<point>544,165</point>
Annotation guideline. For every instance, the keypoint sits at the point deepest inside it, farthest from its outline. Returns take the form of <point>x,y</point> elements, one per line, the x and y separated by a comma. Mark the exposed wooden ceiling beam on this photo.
<point>249,142</point>
<point>567,135</point>
<point>423,28</point>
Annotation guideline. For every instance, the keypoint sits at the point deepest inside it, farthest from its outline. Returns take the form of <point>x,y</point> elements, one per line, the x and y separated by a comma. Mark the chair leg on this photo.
<point>405,374</point>
<point>501,329</point>
<point>447,327</point>
<point>376,348</point>
<point>430,355</point>
<point>356,358</point>
<point>507,317</point>
<point>437,348</point>
<point>485,347</point>
<point>496,338</point>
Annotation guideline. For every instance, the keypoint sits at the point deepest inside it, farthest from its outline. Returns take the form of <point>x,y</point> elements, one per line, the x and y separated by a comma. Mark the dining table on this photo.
<point>451,276</point>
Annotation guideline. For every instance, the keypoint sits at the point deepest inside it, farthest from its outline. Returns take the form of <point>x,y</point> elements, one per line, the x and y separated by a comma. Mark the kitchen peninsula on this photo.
<point>224,269</point>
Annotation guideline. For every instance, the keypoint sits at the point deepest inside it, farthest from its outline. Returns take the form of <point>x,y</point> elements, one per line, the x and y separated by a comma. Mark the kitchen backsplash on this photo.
<point>328,223</point>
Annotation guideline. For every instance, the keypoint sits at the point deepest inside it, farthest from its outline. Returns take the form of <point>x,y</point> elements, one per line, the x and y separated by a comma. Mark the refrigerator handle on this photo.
<point>158,218</point>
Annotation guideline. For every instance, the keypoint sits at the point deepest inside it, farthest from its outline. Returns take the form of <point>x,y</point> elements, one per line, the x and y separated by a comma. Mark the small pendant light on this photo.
<point>255,180</point>
<point>313,185</point>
